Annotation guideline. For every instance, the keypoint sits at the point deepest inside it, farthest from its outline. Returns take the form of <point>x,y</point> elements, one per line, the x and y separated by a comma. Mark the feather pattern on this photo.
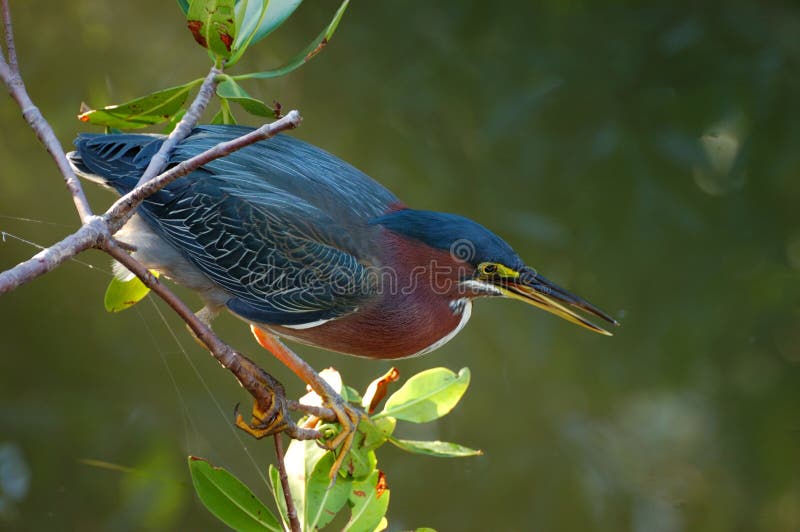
<point>281,225</point>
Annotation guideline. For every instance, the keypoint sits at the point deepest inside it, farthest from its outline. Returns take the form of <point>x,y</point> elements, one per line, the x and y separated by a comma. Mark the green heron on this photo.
<point>303,246</point>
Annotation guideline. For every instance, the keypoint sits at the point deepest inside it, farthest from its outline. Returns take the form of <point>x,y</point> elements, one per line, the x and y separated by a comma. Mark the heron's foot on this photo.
<point>348,417</point>
<point>270,412</point>
<point>265,421</point>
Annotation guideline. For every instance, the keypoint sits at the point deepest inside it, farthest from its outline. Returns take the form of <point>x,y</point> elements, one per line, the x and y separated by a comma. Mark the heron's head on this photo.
<point>494,268</point>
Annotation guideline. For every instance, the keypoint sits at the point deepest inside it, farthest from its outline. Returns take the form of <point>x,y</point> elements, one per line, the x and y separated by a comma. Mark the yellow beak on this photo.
<point>535,290</point>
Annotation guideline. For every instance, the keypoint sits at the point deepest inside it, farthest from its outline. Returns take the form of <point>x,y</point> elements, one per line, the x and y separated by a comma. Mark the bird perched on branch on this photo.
<point>303,246</point>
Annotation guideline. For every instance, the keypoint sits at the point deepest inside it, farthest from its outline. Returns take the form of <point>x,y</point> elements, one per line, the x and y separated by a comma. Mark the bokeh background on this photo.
<point>645,157</point>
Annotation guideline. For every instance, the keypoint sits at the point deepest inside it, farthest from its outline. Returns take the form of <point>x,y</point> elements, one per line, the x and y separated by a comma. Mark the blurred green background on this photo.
<point>645,157</point>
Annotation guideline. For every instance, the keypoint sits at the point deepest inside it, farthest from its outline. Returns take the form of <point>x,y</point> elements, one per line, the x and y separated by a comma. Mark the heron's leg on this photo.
<point>270,413</point>
<point>348,416</point>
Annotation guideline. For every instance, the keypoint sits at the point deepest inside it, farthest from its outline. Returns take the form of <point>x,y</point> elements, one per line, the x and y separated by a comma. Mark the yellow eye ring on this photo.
<point>493,269</point>
<point>488,268</point>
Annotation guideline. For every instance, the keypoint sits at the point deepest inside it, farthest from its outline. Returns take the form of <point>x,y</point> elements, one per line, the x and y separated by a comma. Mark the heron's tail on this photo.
<point>114,161</point>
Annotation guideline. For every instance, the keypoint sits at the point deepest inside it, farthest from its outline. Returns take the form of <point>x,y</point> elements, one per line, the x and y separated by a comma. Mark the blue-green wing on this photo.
<point>281,225</point>
<point>283,260</point>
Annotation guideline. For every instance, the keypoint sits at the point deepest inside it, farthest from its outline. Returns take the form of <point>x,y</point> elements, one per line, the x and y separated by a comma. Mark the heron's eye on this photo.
<point>487,268</point>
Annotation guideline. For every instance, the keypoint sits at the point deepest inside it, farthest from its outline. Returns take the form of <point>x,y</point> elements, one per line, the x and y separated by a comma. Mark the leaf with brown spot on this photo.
<point>378,389</point>
<point>212,25</point>
<point>382,485</point>
<point>195,26</point>
<point>366,508</point>
<point>144,111</point>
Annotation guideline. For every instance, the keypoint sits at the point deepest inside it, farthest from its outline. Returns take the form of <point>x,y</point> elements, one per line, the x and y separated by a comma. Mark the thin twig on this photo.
<point>11,49</point>
<point>291,511</point>
<point>123,208</point>
<point>316,411</point>
<point>46,136</point>
<point>184,127</point>
<point>9,72</point>
<point>89,235</point>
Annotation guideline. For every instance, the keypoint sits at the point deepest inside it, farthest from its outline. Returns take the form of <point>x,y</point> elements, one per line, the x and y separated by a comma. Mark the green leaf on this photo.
<point>230,500</point>
<point>359,463</point>
<point>301,458</point>
<point>256,23</point>
<point>218,118</point>
<point>367,506</point>
<point>306,54</point>
<point>277,492</point>
<point>377,431</point>
<point>212,24</point>
<point>427,395</point>
<point>350,394</point>
<point>230,90</point>
<point>323,500</point>
<point>224,115</point>
<point>122,294</point>
<point>145,111</point>
<point>173,121</point>
<point>436,448</point>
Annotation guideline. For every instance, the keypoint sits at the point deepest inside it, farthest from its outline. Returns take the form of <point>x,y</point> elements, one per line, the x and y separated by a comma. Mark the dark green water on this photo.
<point>644,157</point>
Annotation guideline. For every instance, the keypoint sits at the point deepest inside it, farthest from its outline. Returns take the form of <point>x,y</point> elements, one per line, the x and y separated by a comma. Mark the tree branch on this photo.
<point>89,235</point>
<point>119,212</point>
<point>184,127</point>
<point>123,208</point>
<point>11,49</point>
<point>291,511</point>
<point>9,72</point>
<point>250,376</point>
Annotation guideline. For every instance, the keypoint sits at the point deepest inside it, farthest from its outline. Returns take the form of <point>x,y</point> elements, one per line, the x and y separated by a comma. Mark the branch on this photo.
<point>123,208</point>
<point>9,72</point>
<point>115,217</point>
<point>11,49</point>
<point>249,375</point>
<point>291,511</point>
<point>89,235</point>
<point>184,127</point>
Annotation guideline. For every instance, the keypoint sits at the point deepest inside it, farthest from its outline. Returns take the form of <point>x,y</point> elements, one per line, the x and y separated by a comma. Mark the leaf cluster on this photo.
<point>226,29</point>
<point>361,488</point>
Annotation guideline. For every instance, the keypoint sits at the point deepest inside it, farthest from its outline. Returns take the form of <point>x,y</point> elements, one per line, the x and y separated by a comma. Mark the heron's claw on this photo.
<point>348,417</point>
<point>266,420</point>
